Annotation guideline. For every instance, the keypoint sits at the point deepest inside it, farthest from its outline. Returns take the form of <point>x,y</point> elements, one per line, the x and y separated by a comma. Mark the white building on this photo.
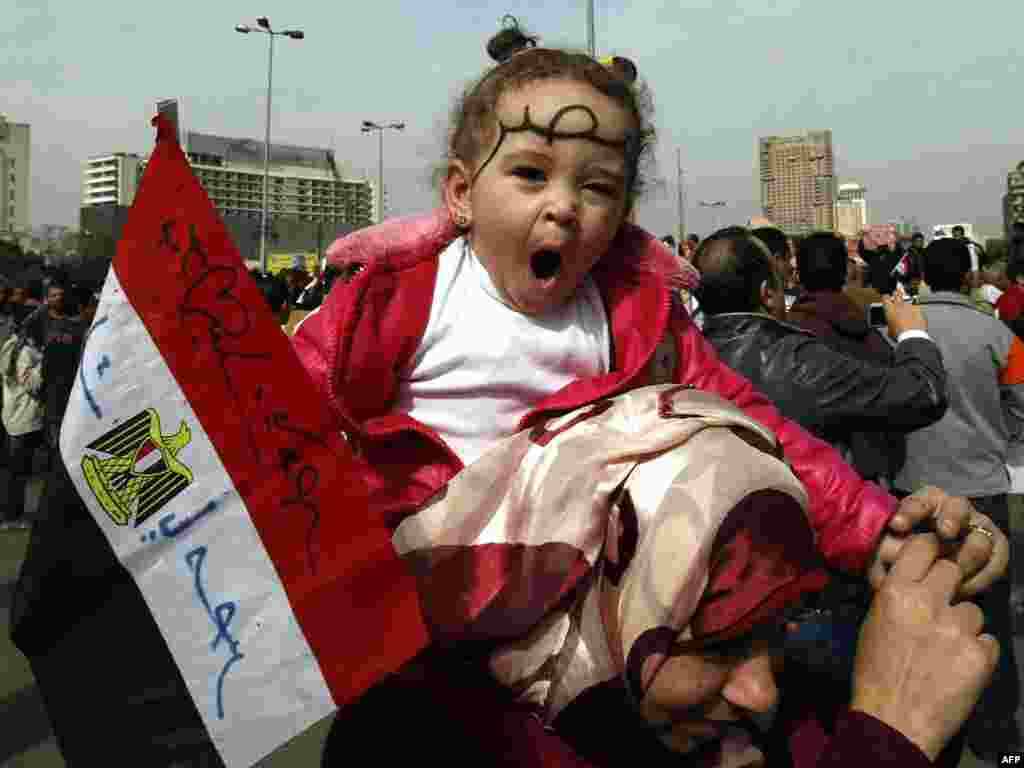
<point>110,179</point>
<point>306,183</point>
<point>851,209</point>
<point>15,146</point>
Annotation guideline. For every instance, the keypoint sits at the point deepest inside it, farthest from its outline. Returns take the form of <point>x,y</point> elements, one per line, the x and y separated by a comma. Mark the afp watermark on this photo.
<point>1011,758</point>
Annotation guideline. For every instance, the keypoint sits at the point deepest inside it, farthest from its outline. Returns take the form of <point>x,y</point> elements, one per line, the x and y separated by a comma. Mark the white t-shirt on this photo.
<point>482,366</point>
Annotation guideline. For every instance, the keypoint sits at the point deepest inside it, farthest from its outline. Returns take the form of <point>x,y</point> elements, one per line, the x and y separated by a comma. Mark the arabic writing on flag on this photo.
<point>223,486</point>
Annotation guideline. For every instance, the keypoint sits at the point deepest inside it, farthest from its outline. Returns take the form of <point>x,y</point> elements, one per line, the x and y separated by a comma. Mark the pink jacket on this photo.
<point>373,320</point>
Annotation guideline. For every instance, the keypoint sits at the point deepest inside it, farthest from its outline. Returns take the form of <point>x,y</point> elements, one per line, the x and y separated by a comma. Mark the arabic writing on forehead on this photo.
<point>630,144</point>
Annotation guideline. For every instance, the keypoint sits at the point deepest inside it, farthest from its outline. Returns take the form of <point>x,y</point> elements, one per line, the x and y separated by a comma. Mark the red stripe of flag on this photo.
<point>353,597</point>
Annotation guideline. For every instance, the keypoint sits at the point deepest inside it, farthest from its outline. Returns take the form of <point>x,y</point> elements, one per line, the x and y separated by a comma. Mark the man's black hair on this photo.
<point>670,241</point>
<point>775,239</point>
<point>693,237</point>
<point>957,227</point>
<point>733,265</point>
<point>822,262</point>
<point>946,263</point>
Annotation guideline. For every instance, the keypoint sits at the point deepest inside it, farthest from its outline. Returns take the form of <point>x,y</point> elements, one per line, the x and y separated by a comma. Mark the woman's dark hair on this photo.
<point>733,264</point>
<point>946,263</point>
<point>822,261</point>
<point>473,123</point>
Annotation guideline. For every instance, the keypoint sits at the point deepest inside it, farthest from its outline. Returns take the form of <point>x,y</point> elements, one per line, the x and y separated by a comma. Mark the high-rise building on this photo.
<point>305,183</point>
<point>110,179</point>
<point>1013,200</point>
<point>797,182</point>
<point>15,153</point>
<point>851,209</point>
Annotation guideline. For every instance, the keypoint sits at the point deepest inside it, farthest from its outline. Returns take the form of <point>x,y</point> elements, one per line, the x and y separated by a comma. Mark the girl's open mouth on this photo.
<point>545,264</point>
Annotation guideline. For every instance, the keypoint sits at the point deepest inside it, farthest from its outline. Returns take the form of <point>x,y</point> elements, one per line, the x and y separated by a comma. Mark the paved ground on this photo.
<point>25,737</point>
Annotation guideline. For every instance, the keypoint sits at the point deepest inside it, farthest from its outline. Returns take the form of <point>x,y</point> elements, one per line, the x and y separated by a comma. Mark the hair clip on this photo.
<point>620,65</point>
<point>510,41</point>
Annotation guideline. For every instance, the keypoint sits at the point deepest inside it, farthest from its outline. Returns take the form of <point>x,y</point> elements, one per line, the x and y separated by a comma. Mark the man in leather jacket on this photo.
<point>829,393</point>
<point>824,309</point>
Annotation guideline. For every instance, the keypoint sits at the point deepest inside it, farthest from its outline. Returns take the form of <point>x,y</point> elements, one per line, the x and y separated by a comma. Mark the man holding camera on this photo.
<point>831,393</point>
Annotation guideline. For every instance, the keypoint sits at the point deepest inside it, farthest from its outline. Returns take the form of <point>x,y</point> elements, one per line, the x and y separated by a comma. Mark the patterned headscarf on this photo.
<point>595,543</point>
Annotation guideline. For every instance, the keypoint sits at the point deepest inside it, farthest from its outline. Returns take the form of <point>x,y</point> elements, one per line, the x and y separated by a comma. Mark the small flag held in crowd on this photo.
<point>220,483</point>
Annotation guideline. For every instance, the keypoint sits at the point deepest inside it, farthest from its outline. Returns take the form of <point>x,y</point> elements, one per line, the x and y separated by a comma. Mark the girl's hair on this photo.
<point>473,121</point>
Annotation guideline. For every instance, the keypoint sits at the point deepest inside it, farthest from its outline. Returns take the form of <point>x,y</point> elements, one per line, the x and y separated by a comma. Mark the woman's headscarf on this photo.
<point>707,537</point>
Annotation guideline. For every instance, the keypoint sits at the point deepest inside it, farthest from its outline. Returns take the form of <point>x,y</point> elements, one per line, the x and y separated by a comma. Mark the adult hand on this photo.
<point>982,559</point>
<point>902,315</point>
<point>921,662</point>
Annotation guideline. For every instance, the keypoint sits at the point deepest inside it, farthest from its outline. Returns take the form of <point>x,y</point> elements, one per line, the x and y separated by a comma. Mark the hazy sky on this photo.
<point>925,104</point>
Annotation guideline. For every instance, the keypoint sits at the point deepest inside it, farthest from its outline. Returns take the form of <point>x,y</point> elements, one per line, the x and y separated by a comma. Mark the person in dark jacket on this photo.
<point>827,392</point>
<point>824,309</point>
<point>882,262</point>
<point>830,393</point>
<point>779,246</point>
<point>64,334</point>
<point>915,262</point>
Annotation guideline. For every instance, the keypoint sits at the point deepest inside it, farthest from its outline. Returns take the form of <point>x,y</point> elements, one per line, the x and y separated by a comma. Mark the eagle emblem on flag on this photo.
<point>136,469</point>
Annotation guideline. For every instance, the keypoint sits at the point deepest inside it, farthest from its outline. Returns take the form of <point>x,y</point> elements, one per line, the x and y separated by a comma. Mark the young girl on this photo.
<point>527,296</point>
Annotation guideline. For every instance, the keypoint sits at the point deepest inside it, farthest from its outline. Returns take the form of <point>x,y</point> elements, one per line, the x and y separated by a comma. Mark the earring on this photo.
<point>462,221</point>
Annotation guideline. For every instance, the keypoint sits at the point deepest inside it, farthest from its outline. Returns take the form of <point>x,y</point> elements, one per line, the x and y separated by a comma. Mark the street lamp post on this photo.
<point>263,25</point>
<point>714,205</point>
<point>368,126</point>
<point>591,35</point>
<point>682,199</point>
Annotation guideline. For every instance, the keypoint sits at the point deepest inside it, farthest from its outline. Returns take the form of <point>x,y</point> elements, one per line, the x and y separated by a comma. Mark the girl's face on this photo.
<point>544,212</point>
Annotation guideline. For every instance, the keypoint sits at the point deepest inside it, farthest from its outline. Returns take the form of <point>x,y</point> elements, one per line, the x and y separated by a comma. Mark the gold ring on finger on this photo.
<point>982,530</point>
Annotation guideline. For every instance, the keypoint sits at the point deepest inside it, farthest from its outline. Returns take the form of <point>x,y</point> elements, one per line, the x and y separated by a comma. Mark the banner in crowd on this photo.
<point>307,260</point>
<point>225,492</point>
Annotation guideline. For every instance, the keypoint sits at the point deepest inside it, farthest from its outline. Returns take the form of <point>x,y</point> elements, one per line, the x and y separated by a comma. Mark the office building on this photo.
<point>15,153</point>
<point>1013,200</point>
<point>851,209</point>
<point>305,183</point>
<point>110,179</point>
<point>310,202</point>
<point>797,182</point>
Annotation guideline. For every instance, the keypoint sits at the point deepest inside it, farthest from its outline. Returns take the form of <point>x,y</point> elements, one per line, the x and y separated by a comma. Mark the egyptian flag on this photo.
<point>208,580</point>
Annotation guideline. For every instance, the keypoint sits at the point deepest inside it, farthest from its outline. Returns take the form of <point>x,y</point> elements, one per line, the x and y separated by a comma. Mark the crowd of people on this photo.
<point>934,399</point>
<point>42,328</point>
<point>529,295</point>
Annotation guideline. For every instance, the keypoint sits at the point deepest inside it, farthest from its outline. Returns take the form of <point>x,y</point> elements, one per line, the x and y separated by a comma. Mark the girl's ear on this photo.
<point>457,193</point>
